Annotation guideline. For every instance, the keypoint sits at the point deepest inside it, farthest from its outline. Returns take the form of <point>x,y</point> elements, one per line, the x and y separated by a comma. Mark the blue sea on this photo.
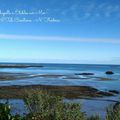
<point>65,70</point>
<point>66,75</point>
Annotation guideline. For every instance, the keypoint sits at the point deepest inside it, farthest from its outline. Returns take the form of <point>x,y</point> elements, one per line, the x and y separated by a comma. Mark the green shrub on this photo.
<point>96,117</point>
<point>113,113</point>
<point>5,113</point>
<point>43,106</point>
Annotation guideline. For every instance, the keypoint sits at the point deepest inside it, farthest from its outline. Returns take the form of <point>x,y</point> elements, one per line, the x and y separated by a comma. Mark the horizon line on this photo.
<point>23,62</point>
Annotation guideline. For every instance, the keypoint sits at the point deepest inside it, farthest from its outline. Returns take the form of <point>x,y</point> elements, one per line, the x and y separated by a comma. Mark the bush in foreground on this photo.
<point>46,107</point>
<point>43,106</point>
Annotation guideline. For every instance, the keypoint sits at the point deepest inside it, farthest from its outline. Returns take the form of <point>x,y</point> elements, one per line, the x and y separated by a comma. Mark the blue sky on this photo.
<point>70,31</point>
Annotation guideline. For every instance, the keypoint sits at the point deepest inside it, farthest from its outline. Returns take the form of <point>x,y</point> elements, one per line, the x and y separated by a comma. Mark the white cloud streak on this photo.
<point>58,38</point>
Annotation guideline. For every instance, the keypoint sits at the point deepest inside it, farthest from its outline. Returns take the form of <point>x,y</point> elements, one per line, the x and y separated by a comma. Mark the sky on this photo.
<point>60,31</point>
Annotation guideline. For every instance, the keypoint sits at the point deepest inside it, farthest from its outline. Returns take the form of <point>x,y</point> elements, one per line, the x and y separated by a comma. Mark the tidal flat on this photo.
<point>70,92</point>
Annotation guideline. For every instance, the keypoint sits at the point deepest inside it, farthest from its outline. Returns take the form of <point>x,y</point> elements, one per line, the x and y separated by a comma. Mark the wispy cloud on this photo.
<point>58,38</point>
<point>88,10</point>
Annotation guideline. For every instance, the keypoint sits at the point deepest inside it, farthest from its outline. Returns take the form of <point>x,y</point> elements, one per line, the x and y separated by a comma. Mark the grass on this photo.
<point>43,106</point>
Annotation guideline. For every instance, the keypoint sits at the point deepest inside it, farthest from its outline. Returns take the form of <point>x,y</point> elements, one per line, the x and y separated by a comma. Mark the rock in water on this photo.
<point>84,74</point>
<point>109,72</point>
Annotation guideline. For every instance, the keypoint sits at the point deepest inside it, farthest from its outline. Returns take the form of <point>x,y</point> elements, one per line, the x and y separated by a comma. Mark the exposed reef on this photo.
<point>66,91</point>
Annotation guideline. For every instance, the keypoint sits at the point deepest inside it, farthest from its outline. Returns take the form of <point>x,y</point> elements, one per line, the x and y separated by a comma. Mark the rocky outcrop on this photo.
<point>109,72</point>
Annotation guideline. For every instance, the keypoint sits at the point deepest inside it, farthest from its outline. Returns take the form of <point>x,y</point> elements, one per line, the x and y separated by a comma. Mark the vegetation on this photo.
<point>43,106</point>
<point>113,113</point>
<point>5,113</point>
<point>46,107</point>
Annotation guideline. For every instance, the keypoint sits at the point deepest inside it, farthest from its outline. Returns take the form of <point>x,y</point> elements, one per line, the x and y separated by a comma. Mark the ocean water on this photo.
<point>67,71</point>
<point>68,77</point>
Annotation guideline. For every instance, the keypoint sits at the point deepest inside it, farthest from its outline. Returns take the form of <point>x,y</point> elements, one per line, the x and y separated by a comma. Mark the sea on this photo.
<point>67,77</point>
